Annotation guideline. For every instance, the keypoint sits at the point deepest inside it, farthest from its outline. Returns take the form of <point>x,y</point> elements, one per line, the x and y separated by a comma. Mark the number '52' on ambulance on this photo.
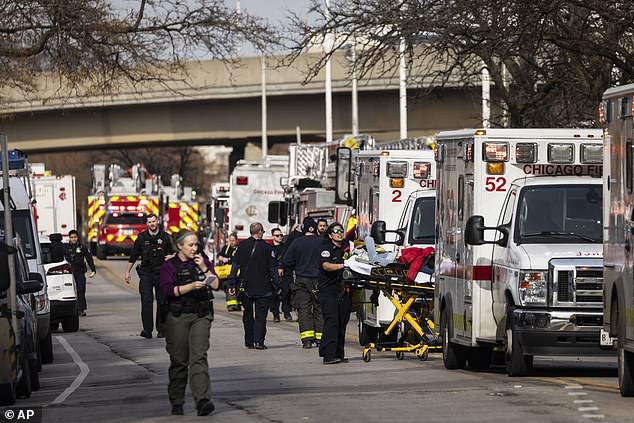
<point>519,247</point>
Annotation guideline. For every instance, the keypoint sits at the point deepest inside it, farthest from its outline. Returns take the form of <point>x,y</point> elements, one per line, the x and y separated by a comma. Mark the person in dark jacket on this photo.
<point>78,255</point>
<point>283,298</point>
<point>186,281</point>
<point>258,277</point>
<point>303,258</point>
<point>334,297</point>
<point>154,247</point>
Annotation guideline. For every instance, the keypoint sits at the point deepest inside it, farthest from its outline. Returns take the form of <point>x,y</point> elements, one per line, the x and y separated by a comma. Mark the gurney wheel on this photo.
<point>423,356</point>
<point>400,355</point>
<point>367,355</point>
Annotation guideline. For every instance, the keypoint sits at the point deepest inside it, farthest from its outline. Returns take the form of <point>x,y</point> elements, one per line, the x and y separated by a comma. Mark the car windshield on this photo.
<point>23,227</point>
<point>560,214</point>
<point>125,219</point>
<point>422,229</point>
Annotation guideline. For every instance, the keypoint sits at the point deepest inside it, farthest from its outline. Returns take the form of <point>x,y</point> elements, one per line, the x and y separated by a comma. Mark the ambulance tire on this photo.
<point>625,358</point>
<point>367,333</point>
<point>46,349</point>
<point>480,358</point>
<point>453,356</point>
<point>23,389</point>
<point>71,323</point>
<point>517,364</point>
<point>7,394</point>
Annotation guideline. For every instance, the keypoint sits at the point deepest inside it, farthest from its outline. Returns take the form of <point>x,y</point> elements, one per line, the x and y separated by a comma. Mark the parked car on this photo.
<point>62,291</point>
<point>19,372</point>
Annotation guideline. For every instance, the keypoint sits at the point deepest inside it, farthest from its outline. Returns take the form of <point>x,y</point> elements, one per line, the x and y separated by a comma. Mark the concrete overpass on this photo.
<point>218,104</point>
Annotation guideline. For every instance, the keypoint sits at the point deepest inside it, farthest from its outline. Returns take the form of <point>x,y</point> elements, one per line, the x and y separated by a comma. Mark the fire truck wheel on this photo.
<point>625,358</point>
<point>101,253</point>
<point>517,364</point>
<point>453,355</point>
<point>24,384</point>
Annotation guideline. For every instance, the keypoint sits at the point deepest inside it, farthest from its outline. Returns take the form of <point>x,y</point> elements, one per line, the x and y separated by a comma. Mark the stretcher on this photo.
<point>411,329</point>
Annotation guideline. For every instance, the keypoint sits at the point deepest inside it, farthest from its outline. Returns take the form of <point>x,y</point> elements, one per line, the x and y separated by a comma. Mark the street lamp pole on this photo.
<point>328,71</point>
<point>265,140</point>
<point>403,89</point>
<point>355,97</point>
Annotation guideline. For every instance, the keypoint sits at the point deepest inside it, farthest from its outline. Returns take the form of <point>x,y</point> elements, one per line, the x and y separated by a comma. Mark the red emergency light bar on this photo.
<point>242,180</point>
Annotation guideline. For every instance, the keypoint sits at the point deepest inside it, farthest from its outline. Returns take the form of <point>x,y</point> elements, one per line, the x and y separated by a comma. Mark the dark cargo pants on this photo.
<point>336,306</point>
<point>187,342</point>
<point>309,314</point>
<point>149,289</point>
<point>80,283</point>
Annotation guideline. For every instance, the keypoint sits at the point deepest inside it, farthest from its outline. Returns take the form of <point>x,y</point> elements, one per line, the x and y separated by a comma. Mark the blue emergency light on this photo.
<point>17,160</point>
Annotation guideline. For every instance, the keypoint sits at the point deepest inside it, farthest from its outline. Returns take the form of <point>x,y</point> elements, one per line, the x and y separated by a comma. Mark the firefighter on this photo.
<point>303,256</point>
<point>78,255</point>
<point>334,296</point>
<point>284,297</point>
<point>223,261</point>
<point>153,246</point>
<point>186,281</point>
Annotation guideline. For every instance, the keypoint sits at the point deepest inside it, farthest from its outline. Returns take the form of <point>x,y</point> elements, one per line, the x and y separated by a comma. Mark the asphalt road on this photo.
<point>107,373</point>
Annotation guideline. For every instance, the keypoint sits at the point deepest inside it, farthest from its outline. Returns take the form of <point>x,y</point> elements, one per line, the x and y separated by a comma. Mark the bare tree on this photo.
<point>549,60</point>
<point>91,46</point>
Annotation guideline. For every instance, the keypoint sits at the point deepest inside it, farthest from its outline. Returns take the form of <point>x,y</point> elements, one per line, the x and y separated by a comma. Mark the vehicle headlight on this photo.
<point>42,304</point>
<point>533,287</point>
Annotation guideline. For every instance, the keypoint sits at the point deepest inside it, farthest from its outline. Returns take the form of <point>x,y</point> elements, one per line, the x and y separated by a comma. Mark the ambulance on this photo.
<point>519,245</point>
<point>393,187</point>
<point>55,205</point>
<point>616,114</point>
<point>253,185</point>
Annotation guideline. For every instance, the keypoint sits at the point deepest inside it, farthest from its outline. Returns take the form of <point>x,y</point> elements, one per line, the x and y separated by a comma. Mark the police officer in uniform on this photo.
<point>334,297</point>
<point>186,281</point>
<point>78,255</point>
<point>153,246</point>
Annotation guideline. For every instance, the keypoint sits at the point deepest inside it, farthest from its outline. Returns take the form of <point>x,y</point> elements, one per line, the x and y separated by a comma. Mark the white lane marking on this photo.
<point>83,372</point>
<point>577,393</point>
<point>584,409</point>
<point>587,401</point>
<point>594,416</point>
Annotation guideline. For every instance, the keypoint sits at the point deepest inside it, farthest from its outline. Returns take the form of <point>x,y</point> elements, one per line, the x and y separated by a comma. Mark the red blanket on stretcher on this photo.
<point>414,258</point>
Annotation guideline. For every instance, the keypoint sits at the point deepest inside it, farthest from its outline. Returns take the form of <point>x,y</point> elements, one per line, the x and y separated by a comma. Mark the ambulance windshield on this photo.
<point>560,214</point>
<point>423,226</point>
<point>22,226</point>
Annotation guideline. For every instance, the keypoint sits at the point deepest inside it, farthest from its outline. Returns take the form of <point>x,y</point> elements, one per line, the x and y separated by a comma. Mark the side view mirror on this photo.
<point>378,231</point>
<point>35,284</point>
<point>277,212</point>
<point>474,232</point>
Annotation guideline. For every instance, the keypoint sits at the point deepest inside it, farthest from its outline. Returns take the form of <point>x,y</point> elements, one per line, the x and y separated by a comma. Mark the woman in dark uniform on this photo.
<point>334,298</point>
<point>186,280</point>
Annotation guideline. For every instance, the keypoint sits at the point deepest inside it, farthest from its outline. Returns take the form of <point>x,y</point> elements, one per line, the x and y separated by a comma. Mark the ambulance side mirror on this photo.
<point>278,212</point>
<point>474,232</point>
<point>378,231</point>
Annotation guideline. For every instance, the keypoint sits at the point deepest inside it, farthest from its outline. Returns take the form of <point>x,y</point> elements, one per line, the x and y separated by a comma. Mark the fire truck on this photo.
<point>217,217</point>
<point>321,181</point>
<point>54,197</point>
<point>519,251</point>
<point>616,114</point>
<point>181,210</point>
<point>118,207</point>
<point>253,185</point>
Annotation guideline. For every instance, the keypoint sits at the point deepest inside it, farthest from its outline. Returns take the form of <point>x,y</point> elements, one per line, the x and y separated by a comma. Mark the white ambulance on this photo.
<point>253,186</point>
<point>535,284</point>
<point>616,113</point>
<point>54,202</point>
<point>393,186</point>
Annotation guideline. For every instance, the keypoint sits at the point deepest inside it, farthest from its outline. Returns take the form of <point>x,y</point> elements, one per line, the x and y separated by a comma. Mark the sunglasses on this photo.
<point>277,235</point>
<point>337,231</point>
